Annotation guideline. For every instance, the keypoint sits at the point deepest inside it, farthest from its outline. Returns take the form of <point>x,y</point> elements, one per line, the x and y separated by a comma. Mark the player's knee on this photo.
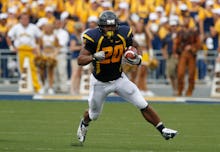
<point>94,116</point>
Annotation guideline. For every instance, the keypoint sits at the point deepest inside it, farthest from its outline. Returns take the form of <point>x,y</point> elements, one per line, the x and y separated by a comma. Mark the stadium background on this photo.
<point>74,11</point>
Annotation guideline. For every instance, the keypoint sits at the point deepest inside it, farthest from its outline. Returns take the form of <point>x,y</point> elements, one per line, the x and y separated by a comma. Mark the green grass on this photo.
<point>50,126</point>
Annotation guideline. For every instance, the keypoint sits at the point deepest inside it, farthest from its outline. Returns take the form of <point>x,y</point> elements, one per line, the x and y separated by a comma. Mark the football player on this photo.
<point>104,46</point>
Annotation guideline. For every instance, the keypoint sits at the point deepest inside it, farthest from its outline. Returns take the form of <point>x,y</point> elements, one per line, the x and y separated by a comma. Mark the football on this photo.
<point>131,52</point>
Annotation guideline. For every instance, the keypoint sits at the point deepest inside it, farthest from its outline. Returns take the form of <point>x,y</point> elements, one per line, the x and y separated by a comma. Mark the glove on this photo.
<point>136,61</point>
<point>99,56</point>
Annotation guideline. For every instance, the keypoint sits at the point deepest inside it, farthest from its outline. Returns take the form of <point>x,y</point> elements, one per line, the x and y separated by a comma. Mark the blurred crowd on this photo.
<point>155,23</point>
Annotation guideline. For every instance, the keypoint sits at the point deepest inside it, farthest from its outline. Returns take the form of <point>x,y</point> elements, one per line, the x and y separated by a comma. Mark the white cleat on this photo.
<point>81,132</point>
<point>168,133</point>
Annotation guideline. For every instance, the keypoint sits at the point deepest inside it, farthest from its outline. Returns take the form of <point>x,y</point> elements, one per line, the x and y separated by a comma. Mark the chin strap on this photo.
<point>109,34</point>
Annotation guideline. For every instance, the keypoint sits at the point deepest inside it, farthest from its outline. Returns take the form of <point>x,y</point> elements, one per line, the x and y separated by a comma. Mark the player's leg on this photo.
<point>96,99</point>
<point>151,116</point>
<point>129,91</point>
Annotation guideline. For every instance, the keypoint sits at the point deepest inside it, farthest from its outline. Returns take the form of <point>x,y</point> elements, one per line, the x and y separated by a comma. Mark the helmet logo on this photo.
<point>110,22</point>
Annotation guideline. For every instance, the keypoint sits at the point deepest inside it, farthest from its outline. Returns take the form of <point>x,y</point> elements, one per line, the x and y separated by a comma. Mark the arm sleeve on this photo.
<point>88,45</point>
<point>129,40</point>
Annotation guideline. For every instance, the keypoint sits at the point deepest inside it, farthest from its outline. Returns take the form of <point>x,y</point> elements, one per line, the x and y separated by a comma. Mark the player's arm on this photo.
<point>135,58</point>
<point>131,42</point>
<point>88,54</point>
<point>85,57</point>
<point>135,44</point>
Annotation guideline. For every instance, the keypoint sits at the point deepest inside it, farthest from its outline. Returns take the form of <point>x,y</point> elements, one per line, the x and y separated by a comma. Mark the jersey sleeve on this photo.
<point>89,42</point>
<point>126,33</point>
<point>130,37</point>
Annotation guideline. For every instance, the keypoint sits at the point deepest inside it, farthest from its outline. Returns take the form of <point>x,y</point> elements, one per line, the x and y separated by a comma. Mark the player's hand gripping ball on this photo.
<point>130,53</point>
<point>131,56</point>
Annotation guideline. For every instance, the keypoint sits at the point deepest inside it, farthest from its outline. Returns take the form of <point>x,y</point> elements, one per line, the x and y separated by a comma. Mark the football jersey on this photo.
<point>110,68</point>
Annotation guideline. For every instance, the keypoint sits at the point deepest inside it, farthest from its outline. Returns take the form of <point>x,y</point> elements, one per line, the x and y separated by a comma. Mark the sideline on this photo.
<point>111,98</point>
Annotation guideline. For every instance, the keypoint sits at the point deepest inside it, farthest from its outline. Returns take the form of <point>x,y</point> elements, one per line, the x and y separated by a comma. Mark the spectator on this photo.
<point>47,61</point>
<point>123,13</point>
<point>83,6</point>
<point>155,41</point>
<point>168,55</point>
<point>106,5</point>
<point>3,30</point>
<point>186,45</point>
<point>215,30</point>
<point>58,6</point>
<point>10,4</point>
<point>50,14</point>
<point>71,6</point>
<point>184,13</point>
<point>194,8</point>
<point>24,6</point>
<point>75,47</point>
<point>94,8</point>
<point>41,22</point>
<point>206,20</point>
<point>68,22</point>
<point>22,39</point>
<point>142,9</point>
<point>38,11</point>
<point>61,75</point>
<point>3,45</point>
<point>12,17</point>
<point>160,11</point>
<point>172,7</point>
<point>92,22</point>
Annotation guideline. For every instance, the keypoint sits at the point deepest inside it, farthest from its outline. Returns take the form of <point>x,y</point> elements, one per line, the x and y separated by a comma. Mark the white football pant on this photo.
<point>122,86</point>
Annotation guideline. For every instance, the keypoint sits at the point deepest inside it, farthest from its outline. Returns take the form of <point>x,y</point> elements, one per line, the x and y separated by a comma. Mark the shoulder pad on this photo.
<point>92,35</point>
<point>125,31</point>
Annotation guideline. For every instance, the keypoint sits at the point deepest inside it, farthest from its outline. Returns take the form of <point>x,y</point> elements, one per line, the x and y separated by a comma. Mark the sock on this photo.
<point>160,127</point>
<point>85,124</point>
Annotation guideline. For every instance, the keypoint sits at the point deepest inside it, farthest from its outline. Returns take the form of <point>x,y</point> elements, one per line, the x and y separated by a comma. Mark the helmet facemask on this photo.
<point>108,24</point>
<point>109,31</point>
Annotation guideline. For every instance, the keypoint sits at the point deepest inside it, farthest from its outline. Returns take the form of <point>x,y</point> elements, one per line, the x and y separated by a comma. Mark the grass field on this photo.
<point>50,127</point>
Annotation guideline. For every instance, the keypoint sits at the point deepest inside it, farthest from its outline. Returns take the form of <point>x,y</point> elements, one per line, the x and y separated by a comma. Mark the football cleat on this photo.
<point>168,133</point>
<point>81,132</point>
